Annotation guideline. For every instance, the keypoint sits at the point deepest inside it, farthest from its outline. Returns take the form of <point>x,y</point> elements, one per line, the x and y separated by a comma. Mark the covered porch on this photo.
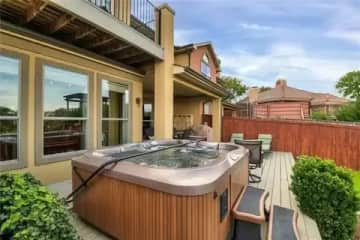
<point>195,102</point>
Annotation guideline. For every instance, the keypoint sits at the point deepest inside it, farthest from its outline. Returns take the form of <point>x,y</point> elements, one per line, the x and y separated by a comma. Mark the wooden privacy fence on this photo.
<point>335,141</point>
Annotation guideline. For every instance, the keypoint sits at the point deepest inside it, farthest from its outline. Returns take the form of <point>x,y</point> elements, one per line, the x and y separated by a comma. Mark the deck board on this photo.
<point>276,178</point>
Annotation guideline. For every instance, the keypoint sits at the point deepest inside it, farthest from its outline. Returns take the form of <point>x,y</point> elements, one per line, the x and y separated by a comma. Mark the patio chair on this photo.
<point>236,136</point>
<point>255,157</point>
<point>282,225</point>
<point>249,213</point>
<point>266,140</point>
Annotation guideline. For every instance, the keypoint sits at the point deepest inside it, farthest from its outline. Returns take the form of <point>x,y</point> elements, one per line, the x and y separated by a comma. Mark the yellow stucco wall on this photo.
<point>182,59</point>
<point>194,106</point>
<point>191,106</point>
<point>35,50</point>
<point>216,108</point>
<point>163,81</point>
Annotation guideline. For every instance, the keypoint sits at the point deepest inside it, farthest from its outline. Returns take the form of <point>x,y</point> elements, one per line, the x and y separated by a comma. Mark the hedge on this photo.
<point>326,193</point>
<point>30,211</point>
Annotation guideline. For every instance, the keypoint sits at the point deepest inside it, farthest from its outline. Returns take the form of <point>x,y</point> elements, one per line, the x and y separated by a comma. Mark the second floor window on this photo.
<point>205,66</point>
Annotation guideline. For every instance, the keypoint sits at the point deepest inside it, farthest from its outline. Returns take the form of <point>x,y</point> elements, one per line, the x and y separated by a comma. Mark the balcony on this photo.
<point>123,31</point>
<point>139,14</point>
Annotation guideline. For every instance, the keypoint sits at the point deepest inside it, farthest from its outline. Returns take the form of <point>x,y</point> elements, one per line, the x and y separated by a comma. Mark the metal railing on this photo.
<point>142,15</point>
<point>105,5</point>
<point>143,12</point>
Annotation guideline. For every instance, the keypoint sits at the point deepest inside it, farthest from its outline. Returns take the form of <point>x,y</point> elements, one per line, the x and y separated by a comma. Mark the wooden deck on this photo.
<point>276,172</point>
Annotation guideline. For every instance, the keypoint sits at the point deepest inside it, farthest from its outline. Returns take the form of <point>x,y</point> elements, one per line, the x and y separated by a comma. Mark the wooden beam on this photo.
<point>116,49</point>
<point>99,43</point>
<point>130,54</point>
<point>81,34</point>
<point>138,59</point>
<point>34,8</point>
<point>60,23</point>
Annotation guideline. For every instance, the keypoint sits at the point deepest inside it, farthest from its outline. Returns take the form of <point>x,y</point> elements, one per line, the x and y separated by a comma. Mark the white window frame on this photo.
<point>22,132</point>
<point>40,118</point>
<point>207,63</point>
<point>99,79</point>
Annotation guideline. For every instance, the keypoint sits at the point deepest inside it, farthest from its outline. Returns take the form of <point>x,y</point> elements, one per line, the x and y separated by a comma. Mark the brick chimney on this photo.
<point>281,83</point>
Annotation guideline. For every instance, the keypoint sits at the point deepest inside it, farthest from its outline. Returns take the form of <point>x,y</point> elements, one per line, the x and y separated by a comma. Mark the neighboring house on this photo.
<point>284,102</point>
<point>230,110</point>
<point>326,103</point>
<point>80,75</point>
<point>246,106</point>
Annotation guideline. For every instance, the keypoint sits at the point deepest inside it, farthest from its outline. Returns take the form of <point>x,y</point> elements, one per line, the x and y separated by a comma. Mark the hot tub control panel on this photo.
<point>224,208</point>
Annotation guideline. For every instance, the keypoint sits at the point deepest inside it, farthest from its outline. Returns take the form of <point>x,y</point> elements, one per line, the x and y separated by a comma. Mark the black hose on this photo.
<point>114,161</point>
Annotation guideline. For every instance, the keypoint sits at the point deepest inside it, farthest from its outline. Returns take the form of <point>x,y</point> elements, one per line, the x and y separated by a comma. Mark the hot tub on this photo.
<point>178,190</point>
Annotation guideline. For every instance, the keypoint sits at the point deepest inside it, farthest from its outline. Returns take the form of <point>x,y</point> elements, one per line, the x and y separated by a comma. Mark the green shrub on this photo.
<point>326,193</point>
<point>29,211</point>
<point>356,180</point>
<point>319,115</point>
<point>349,112</point>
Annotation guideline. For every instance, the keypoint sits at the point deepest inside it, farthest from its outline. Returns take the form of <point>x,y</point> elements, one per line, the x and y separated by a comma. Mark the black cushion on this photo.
<point>282,224</point>
<point>250,201</point>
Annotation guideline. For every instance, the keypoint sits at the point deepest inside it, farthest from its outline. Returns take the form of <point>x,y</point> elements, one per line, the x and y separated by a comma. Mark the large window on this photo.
<point>9,107</point>
<point>205,66</point>
<point>64,111</point>
<point>114,108</point>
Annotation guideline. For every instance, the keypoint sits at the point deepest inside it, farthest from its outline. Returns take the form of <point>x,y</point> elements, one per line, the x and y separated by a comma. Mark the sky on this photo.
<point>310,43</point>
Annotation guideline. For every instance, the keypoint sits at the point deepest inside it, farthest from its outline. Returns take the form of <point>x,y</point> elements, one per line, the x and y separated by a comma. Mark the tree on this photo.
<point>349,112</point>
<point>234,86</point>
<point>263,89</point>
<point>349,85</point>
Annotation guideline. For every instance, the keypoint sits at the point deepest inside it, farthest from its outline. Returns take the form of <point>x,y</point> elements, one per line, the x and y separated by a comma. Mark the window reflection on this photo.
<point>64,136</point>
<point>65,93</point>
<point>9,119</point>
<point>65,104</point>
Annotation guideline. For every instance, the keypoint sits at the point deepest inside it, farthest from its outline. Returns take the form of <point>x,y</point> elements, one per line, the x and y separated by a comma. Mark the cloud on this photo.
<point>300,67</point>
<point>255,27</point>
<point>345,23</point>
<point>185,36</point>
<point>352,36</point>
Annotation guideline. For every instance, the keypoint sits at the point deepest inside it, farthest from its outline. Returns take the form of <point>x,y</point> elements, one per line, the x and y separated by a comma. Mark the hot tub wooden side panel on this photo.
<point>132,212</point>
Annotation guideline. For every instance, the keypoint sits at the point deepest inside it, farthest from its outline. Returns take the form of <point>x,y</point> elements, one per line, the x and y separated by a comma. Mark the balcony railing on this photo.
<point>142,14</point>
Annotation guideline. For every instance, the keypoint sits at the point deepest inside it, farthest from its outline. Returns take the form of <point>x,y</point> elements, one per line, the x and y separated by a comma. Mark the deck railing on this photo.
<point>142,14</point>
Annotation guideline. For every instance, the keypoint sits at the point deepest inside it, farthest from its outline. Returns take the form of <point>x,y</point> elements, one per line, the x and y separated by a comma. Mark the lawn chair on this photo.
<point>255,157</point>
<point>266,140</point>
<point>236,136</point>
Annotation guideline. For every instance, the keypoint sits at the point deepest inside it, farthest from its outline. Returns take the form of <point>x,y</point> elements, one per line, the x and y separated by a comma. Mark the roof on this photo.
<point>230,105</point>
<point>199,80</point>
<point>243,101</point>
<point>193,46</point>
<point>327,99</point>
<point>282,92</point>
